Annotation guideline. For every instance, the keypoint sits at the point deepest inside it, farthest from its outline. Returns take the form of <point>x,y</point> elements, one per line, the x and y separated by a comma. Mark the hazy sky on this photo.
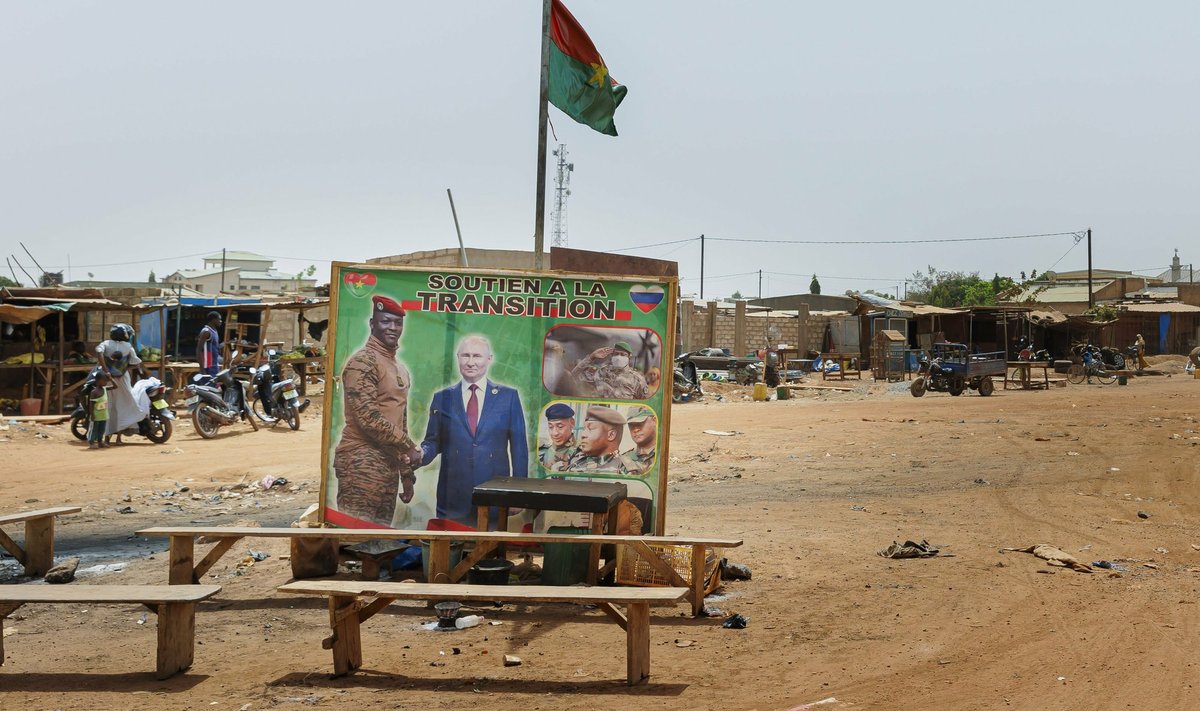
<point>141,134</point>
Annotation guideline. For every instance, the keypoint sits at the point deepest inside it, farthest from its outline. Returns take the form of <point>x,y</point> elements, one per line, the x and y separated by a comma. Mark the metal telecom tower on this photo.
<point>562,189</point>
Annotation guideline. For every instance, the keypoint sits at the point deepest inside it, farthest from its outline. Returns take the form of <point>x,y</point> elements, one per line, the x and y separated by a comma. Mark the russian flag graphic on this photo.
<point>646,298</point>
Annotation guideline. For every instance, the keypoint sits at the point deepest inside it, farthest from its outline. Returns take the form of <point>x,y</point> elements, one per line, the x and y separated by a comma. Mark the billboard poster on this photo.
<point>439,379</point>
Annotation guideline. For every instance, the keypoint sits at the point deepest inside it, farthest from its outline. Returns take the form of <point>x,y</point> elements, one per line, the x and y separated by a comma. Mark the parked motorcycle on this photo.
<point>219,400</point>
<point>156,426</point>
<point>687,379</point>
<point>276,398</point>
<point>1026,351</point>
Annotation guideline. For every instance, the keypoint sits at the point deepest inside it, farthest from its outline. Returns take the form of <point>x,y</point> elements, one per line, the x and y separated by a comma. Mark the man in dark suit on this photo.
<point>478,427</point>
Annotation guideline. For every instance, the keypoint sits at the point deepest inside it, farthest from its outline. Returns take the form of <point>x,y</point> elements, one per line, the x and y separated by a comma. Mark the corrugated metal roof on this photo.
<point>1170,308</point>
<point>927,309</point>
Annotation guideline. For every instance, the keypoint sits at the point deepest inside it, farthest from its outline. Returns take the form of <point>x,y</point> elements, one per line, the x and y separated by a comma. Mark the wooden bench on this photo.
<point>38,554</point>
<point>184,571</point>
<point>347,613</point>
<point>174,605</point>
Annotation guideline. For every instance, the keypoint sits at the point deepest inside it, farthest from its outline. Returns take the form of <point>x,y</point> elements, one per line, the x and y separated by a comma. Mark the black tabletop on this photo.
<point>549,494</point>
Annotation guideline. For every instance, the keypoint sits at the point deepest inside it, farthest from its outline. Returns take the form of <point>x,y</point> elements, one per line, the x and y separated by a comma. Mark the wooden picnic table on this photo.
<point>843,361</point>
<point>38,553</point>
<point>184,570</point>
<point>347,613</point>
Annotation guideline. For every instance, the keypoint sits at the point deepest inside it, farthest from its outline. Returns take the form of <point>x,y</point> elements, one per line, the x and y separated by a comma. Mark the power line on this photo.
<point>124,264</point>
<point>900,241</point>
<point>891,280</point>
<point>657,244</point>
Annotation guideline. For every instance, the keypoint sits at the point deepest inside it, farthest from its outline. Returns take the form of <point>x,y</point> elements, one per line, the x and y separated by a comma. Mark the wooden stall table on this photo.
<point>843,361</point>
<point>1020,375</point>
<point>306,367</point>
<point>181,375</point>
<point>597,498</point>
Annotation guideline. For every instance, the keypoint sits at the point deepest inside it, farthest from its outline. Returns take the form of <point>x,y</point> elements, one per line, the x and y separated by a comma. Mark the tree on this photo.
<point>5,281</point>
<point>737,295</point>
<point>151,278</point>
<point>312,269</point>
<point>814,286</point>
<point>950,289</point>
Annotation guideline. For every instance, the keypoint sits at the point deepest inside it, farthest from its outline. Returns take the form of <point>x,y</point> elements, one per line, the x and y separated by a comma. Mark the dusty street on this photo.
<point>815,485</point>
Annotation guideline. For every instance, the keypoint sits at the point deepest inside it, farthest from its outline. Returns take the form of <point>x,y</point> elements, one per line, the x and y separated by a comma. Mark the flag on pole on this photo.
<point>580,84</point>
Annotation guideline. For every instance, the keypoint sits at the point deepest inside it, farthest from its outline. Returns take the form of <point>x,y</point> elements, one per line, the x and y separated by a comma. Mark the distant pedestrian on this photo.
<point>98,410</point>
<point>208,345</point>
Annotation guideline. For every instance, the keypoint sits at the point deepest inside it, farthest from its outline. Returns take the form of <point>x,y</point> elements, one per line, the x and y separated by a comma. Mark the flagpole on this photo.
<point>539,219</point>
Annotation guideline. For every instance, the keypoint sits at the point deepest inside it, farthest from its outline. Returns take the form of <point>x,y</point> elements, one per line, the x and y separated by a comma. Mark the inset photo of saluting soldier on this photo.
<point>602,362</point>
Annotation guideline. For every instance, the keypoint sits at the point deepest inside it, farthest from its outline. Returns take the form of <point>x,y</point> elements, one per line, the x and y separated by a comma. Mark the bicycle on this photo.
<point>1078,372</point>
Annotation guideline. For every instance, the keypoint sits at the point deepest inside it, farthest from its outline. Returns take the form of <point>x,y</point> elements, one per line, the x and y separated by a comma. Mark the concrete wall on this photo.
<point>703,325</point>
<point>476,259</point>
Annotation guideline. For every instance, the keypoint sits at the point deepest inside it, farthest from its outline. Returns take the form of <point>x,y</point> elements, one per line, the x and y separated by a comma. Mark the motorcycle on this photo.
<point>275,398</point>
<point>1027,352</point>
<point>687,379</point>
<point>156,426</point>
<point>218,400</point>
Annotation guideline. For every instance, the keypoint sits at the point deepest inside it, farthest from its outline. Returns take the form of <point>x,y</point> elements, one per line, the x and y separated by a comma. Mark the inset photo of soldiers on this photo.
<point>597,438</point>
<point>606,363</point>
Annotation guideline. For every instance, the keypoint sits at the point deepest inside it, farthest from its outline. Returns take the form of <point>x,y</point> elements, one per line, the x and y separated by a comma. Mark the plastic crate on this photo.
<point>633,569</point>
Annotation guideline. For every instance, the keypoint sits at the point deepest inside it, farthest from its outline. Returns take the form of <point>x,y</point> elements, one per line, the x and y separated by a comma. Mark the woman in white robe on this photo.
<point>118,358</point>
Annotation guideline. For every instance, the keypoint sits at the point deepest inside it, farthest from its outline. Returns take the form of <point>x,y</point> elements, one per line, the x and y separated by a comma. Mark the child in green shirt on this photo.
<point>98,402</point>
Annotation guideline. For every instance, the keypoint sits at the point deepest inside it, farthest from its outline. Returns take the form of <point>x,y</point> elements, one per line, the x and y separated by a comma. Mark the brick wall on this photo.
<point>698,332</point>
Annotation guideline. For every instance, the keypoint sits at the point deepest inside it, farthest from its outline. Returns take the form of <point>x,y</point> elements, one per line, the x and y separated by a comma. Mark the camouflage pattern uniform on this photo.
<point>643,462</point>
<point>555,458</point>
<point>615,463</point>
<point>621,384</point>
<point>370,458</point>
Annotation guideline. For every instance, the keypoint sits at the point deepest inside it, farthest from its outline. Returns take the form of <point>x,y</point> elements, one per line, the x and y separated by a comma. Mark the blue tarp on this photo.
<point>1164,324</point>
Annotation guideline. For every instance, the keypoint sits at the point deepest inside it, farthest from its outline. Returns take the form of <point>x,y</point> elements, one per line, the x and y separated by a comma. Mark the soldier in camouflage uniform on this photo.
<point>560,424</point>
<point>643,429</point>
<point>376,455</point>
<point>617,380</point>
<point>603,429</point>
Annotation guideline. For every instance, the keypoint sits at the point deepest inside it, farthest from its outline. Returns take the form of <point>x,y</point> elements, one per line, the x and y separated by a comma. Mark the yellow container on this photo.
<point>761,393</point>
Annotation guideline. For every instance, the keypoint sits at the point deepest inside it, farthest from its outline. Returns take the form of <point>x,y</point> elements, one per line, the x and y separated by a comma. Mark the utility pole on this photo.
<point>539,218</point>
<point>760,283</point>
<point>562,189</point>
<point>1091,296</point>
<point>701,267</point>
<point>462,251</point>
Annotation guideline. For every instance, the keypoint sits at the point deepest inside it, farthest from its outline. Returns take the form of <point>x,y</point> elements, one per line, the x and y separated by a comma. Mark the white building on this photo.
<point>240,273</point>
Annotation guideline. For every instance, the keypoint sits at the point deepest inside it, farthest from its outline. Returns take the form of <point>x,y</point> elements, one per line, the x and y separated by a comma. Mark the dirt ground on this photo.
<point>815,485</point>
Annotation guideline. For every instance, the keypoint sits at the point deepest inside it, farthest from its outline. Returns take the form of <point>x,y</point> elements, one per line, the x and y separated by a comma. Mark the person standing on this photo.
<point>208,345</point>
<point>374,459</point>
<point>118,358</point>
<point>1140,344</point>
<point>98,410</point>
<point>560,426</point>
<point>478,428</point>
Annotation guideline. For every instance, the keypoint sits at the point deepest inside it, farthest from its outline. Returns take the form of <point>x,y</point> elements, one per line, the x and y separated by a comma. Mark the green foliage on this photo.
<point>814,286</point>
<point>151,278</point>
<point>5,281</point>
<point>737,295</point>
<point>952,289</point>
<point>1103,312</point>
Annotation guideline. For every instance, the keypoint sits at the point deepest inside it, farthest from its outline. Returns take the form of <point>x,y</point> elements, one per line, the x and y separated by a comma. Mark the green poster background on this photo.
<point>442,308</point>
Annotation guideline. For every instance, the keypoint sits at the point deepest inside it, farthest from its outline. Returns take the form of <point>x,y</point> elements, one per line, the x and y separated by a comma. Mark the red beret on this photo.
<point>383,303</point>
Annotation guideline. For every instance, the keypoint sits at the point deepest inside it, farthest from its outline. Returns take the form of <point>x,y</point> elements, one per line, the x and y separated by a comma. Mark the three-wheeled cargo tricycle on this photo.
<point>952,369</point>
